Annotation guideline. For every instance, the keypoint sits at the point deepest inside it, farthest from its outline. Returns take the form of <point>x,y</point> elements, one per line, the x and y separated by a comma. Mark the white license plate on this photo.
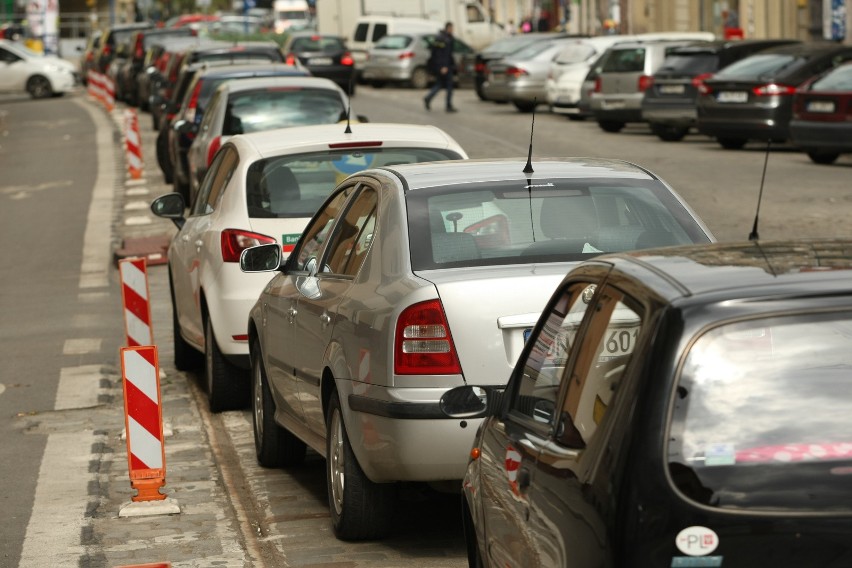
<point>612,105</point>
<point>732,97</point>
<point>820,106</point>
<point>672,89</point>
<point>320,61</point>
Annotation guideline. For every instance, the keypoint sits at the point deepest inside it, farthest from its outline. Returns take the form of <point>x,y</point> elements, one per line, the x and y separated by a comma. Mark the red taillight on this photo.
<point>644,83</point>
<point>597,88</point>
<point>346,59</point>
<point>193,102</point>
<point>107,49</point>
<point>235,242</point>
<point>773,89</point>
<point>406,55</point>
<point>423,343</point>
<point>291,59</point>
<point>698,82</point>
<point>139,48</point>
<point>213,148</point>
<point>479,67</point>
<point>515,72</point>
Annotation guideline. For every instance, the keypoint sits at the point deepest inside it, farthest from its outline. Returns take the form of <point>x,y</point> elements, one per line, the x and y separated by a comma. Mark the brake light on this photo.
<point>365,144</point>
<point>698,82</point>
<point>235,241</point>
<point>644,83</point>
<point>423,344</point>
<point>516,72</point>
<point>193,102</point>
<point>107,49</point>
<point>597,88</point>
<point>215,144</point>
<point>346,59</point>
<point>773,89</point>
<point>479,67</point>
<point>406,55</point>
<point>139,48</point>
<point>291,59</point>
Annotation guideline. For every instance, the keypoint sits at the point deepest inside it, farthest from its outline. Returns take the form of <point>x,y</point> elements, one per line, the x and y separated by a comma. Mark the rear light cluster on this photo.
<point>597,88</point>
<point>139,50</point>
<point>213,148</point>
<point>479,67</point>
<point>516,72</point>
<point>698,82</point>
<point>644,83</point>
<point>406,55</point>
<point>423,344</point>
<point>235,241</point>
<point>773,89</point>
<point>291,59</point>
<point>346,59</point>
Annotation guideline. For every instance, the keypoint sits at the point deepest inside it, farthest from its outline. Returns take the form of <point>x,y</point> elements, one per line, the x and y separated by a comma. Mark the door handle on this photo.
<point>199,243</point>
<point>325,319</point>
<point>291,314</point>
<point>185,238</point>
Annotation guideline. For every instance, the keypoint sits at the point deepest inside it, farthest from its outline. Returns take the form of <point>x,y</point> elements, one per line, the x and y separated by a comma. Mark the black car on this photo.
<point>822,109</point>
<point>674,407</point>
<point>753,98</point>
<point>127,75</point>
<point>324,56</point>
<point>669,103</point>
<point>501,48</point>
<point>114,47</point>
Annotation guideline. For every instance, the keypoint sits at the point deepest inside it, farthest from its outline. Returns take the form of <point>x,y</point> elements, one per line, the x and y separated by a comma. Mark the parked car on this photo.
<point>669,103</point>
<point>25,71</point>
<point>624,77</point>
<point>88,54</point>
<point>263,188</point>
<point>413,279</point>
<point>184,126</point>
<point>254,105</point>
<point>114,49</point>
<point>753,98</point>
<point>370,29</point>
<point>647,421</point>
<point>134,65</point>
<point>151,82</point>
<point>822,109</point>
<point>501,48</point>
<point>324,55</point>
<point>403,58</point>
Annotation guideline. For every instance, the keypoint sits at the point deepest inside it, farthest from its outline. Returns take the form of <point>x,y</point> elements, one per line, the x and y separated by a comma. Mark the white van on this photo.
<point>370,29</point>
<point>291,15</point>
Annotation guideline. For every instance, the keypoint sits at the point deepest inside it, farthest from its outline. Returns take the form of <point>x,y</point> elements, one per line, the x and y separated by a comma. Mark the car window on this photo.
<point>361,32</point>
<point>761,407</point>
<point>393,42</point>
<point>7,56</point>
<point>216,181</point>
<point>690,63</point>
<point>534,49</point>
<point>625,61</point>
<point>310,246</point>
<point>575,53</point>
<point>761,66</point>
<point>207,121</point>
<point>379,31</point>
<point>838,80</point>
<point>352,235</point>
<point>474,14</point>
<point>269,108</point>
<point>328,44</point>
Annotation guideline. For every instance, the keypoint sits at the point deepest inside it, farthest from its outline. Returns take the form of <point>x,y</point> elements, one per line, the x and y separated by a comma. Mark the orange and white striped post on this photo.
<point>135,297</point>
<point>143,417</point>
<point>109,92</point>
<point>133,144</point>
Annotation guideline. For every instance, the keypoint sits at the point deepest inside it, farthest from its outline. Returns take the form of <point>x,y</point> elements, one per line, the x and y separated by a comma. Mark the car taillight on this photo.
<point>644,83</point>
<point>346,59</point>
<point>597,88</point>
<point>291,59</point>
<point>479,67</point>
<point>139,49</point>
<point>235,242</point>
<point>423,344</point>
<point>515,72</point>
<point>698,82</point>
<point>213,148</point>
<point>107,49</point>
<point>406,55</point>
<point>773,89</point>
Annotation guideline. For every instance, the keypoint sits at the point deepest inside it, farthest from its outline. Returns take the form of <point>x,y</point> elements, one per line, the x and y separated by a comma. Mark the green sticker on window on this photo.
<point>290,239</point>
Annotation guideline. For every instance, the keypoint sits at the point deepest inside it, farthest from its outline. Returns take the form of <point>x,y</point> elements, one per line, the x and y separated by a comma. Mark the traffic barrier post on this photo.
<point>135,298</point>
<point>133,143</point>
<point>109,92</point>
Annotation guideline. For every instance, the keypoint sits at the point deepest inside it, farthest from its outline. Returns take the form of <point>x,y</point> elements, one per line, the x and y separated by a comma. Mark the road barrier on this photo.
<point>143,417</point>
<point>95,85</point>
<point>133,144</point>
<point>109,92</point>
<point>135,298</point>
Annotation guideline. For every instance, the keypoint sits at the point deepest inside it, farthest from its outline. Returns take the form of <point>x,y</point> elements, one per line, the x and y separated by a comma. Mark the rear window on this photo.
<point>296,185</point>
<point>625,61</point>
<point>317,43</point>
<point>574,54</point>
<point>531,51</point>
<point>500,223</point>
<point>762,417</point>
<point>265,109</point>
<point>761,66</point>
<point>690,63</point>
<point>393,42</point>
<point>242,57</point>
<point>838,80</point>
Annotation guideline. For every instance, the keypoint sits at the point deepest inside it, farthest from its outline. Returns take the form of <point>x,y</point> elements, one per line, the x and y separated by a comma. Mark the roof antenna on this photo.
<point>528,169</point>
<point>753,236</point>
<point>348,108</point>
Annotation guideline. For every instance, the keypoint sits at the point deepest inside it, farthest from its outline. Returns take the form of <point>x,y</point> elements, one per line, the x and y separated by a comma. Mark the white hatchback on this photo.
<point>263,188</point>
<point>24,70</point>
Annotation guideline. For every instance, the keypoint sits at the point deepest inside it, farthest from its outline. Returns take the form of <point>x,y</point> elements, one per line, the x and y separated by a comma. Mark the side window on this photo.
<point>603,354</point>
<point>312,241</point>
<point>8,56</point>
<point>542,371</point>
<point>379,31</point>
<point>217,178</point>
<point>353,235</point>
<point>207,121</point>
<point>360,32</point>
<point>474,13</point>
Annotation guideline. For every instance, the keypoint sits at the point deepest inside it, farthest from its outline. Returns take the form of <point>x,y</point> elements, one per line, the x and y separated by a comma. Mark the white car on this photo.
<point>263,188</point>
<point>24,70</point>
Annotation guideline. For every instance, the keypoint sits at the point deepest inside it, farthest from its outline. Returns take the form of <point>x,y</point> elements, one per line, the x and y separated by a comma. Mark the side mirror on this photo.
<point>469,401</point>
<point>262,258</point>
<point>170,206</point>
<point>185,127</point>
<point>362,118</point>
<point>567,433</point>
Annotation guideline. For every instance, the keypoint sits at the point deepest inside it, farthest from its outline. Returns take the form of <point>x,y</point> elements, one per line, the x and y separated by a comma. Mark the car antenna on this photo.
<point>348,108</point>
<point>528,169</point>
<point>753,236</point>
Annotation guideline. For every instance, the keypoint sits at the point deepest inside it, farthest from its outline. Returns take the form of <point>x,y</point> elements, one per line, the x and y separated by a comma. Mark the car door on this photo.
<point>573,493</point>
<point>186,253</point>
<point>511,442</point>
<point>321,301</point>
<point>197,156</point>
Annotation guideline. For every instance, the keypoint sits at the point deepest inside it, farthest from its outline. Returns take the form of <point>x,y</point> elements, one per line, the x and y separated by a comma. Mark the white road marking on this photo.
<point>2,388</point>
<point>24,191</point>
<point>81,346</point>
<point>78,387</point>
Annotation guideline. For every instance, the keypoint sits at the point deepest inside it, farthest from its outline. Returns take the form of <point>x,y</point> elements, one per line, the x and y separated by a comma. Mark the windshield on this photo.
<point>500,223</point>
<point>253,111</point>
<point>838,80</point>
<point>761,66</point>
<point>631,60</point>
<point>574,54</point>
<point>762,418</point>
<point>296,185</point>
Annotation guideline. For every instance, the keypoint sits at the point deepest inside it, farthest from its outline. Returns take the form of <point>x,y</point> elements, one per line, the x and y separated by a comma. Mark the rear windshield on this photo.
<point>574,54</point>
<point>510,44</point>
<point>317,43</point>
<point>499,223</point>
<point>393,42</point>
<point>625,61</point>
<point>762,417</point>
<point>762,66</point>
<point>265,109</point>
<point>838,80</point>
<point>241,57</point>
<point>296,185</point>
<point>690,63</point>
<point>531,51</point>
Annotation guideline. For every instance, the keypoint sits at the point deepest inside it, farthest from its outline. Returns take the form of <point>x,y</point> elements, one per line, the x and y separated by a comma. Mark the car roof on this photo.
<point>717,46</point>
<point>305,81</point>
<point>419,176</point>
<point>300,138</point>
<point>241,70</point>
<point>810,48</point>
<point>746,269</point>
<point>633,44</point>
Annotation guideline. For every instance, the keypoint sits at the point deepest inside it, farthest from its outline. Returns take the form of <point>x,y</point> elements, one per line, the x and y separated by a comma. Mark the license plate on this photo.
<point>672,89</point>
<point>820,106</point>
<point>618,342</point>
<point>320,61</point>
<point>610,105</point>
<point>527,333</point>
<point>732,97</point>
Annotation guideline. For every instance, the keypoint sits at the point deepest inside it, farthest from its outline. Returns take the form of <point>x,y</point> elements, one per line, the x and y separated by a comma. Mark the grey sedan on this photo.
<point>403,59</point>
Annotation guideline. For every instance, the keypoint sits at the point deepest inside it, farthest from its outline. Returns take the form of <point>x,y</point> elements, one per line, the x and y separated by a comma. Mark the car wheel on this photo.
<point>186,357</point>
<point>274,445</point>
<point>226,385</point>
<point>823,157</point>
<point>419,78</point>
<point>668,133</point>
<point>360,509</point>
<point>163,157</point>
<point>610,125</point>
<point>39,87</point>
<point>732,143</point>
<point>524,106</point>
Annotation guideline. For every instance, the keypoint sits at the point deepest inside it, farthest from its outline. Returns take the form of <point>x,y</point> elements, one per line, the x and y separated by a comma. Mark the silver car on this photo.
<point>414,279</point>
<point>402,58</point>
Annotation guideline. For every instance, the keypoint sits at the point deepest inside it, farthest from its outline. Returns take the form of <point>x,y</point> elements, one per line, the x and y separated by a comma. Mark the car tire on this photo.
<point>39,87</point>
<point>226,384</point>
<point>823,157</point>
<point>419,78</point>
<point>524,106</point>
<point>732,143</point>
<point>186,357</point>
<point>163,159</point>
<point>274,445</point>
<point>610,125</point>
<point>669,133</point>
<point>360,509</point>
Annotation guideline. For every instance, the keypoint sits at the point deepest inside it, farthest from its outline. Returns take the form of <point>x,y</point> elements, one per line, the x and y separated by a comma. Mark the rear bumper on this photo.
<point>822,136</point>
<point>670,114</point>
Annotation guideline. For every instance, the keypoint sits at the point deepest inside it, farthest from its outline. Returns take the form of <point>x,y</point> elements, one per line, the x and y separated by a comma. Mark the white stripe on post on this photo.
<point>141,373</point>
<point>147,448</point>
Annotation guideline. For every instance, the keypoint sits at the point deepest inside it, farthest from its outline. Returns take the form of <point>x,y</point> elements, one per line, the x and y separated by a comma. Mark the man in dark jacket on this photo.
<point>443,66</point>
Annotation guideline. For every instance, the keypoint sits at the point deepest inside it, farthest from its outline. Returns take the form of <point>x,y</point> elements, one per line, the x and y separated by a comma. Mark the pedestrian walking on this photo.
<point>443,66</point>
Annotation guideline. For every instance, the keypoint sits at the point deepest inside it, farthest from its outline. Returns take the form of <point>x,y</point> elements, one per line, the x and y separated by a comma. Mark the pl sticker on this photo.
<point>697,541</point>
